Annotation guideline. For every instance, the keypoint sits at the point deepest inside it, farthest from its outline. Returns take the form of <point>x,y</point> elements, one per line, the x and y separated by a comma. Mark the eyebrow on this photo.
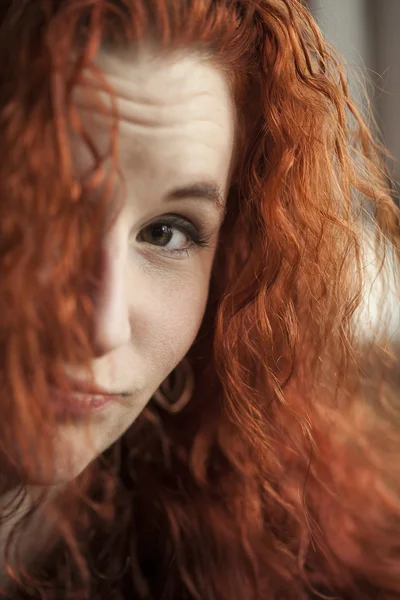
<point>204,191</point>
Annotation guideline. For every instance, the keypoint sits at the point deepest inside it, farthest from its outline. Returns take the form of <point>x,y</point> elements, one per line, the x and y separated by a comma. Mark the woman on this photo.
<point>197,401</point>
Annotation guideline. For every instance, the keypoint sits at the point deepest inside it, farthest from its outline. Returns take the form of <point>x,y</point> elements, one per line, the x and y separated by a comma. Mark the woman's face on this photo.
<point>176,136</point>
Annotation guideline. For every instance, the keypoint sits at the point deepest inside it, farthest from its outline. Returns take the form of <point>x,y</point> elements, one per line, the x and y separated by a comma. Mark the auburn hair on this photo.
<point>280,479</point>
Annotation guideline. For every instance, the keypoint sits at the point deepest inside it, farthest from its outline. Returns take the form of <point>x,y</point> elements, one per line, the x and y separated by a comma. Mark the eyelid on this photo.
<point>177,220</point>
<point>197,236</point>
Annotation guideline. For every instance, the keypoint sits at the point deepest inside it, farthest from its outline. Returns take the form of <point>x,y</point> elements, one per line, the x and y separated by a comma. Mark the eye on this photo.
<point>162,234</point>
<point>173,234</point>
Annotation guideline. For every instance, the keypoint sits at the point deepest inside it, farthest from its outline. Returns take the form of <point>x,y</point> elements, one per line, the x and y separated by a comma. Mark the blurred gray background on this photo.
<point>367,34</point>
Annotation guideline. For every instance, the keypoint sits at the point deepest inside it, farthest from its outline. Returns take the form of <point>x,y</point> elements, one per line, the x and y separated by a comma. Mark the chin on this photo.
<point>72,453</point>
<point>62,471</point>
<point>76,446</point>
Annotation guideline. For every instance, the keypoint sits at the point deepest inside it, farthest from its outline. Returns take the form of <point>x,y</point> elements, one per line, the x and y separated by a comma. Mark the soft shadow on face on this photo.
<point>175,148</point>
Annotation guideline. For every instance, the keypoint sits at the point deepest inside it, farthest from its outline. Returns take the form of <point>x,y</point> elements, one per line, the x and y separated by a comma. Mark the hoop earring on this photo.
<point>176,391</point>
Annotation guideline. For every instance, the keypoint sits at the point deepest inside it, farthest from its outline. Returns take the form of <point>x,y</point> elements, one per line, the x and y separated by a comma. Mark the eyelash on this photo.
<point>197,237</point>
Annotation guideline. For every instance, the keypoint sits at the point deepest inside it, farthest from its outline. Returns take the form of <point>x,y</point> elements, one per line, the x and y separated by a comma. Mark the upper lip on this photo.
<point>89,389</point>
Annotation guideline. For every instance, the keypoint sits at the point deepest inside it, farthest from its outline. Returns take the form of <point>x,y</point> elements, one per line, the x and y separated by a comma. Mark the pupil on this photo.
<point>161,234</point>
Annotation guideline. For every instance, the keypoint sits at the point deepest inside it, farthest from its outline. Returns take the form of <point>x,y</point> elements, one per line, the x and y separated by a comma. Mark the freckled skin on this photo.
<point>176,129</point>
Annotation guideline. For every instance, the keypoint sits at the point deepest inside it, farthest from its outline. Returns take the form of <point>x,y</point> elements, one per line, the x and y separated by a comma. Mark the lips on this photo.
<point>91,390</point>
<point>81,401</point>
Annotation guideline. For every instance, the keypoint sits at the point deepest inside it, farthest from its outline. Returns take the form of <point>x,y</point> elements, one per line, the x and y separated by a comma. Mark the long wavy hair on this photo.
<point>280,479</point>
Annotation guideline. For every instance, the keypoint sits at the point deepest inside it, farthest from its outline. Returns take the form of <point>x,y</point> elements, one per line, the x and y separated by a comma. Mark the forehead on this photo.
<point>176,115</point>
<point>162,80</point>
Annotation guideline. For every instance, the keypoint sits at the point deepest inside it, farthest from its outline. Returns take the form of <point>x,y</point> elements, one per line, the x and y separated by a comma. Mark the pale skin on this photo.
<point>176,138</point>
<point>175,148</point>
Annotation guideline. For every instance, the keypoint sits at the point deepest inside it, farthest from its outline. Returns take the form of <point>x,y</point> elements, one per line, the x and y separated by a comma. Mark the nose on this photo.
<point>111,326</point>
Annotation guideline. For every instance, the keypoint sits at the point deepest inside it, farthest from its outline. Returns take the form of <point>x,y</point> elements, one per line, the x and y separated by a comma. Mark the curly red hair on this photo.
<point>280,478</point>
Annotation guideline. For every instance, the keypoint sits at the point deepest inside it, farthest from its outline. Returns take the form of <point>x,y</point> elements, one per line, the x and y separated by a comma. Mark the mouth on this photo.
<point>81,400</point>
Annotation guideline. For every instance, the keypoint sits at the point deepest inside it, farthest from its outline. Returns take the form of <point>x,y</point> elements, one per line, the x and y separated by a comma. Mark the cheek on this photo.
<point>184,316</point>
<point>178,315</point>
<point>171,317</point>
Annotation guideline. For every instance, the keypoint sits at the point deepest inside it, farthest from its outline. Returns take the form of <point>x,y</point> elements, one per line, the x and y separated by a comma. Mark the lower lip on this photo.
<point>77,404</point>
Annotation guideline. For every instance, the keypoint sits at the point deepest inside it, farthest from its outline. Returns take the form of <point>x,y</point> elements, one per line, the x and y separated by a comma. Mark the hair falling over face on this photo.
<point>280,478</point>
